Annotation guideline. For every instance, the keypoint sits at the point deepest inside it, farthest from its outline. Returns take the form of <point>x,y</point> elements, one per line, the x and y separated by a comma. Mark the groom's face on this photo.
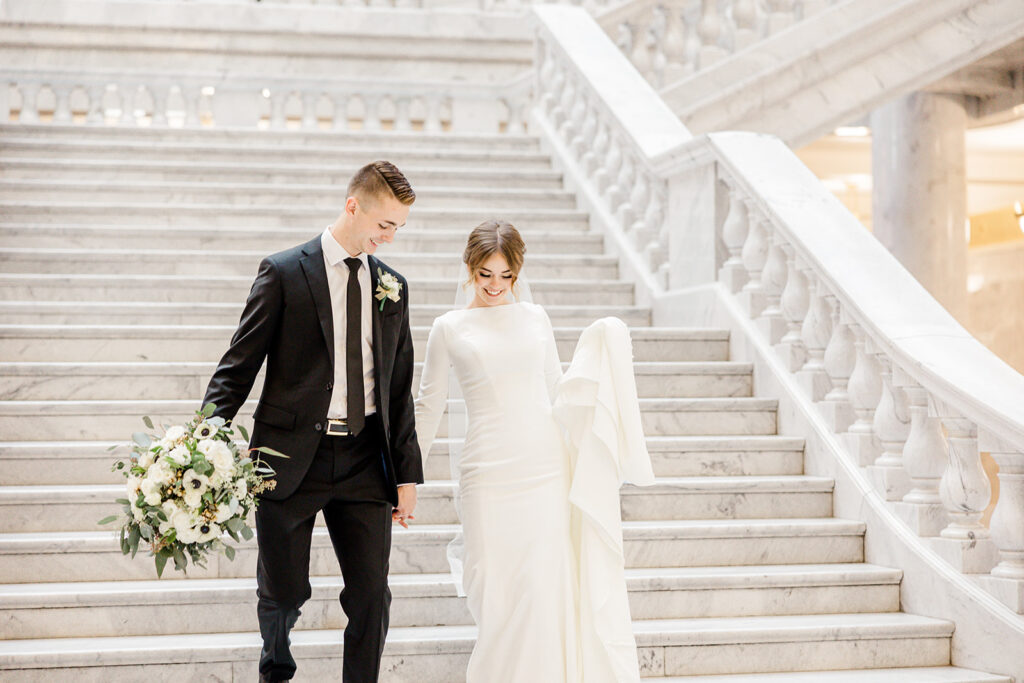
<point>375,221</point>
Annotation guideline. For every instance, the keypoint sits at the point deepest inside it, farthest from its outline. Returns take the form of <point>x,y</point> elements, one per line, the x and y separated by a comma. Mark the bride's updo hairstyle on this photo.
<point>494,236</point>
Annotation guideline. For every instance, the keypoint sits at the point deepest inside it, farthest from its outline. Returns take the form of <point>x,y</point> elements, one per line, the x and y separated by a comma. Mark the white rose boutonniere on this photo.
<point>388,287</point>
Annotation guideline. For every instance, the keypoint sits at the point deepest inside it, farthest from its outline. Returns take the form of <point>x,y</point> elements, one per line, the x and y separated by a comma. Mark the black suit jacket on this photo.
<point>288,321</point>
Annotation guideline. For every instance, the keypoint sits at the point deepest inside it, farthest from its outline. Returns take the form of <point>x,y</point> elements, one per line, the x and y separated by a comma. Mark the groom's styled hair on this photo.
<point>380,179</point>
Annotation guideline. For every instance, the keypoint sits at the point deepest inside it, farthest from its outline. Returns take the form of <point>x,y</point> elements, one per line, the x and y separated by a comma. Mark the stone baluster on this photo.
<point>655,249</point>
<point>691,30</point>
<point>840,358</point>
<point>576,133</point>
<point>618,195</point>
<point>965,492</point>
<point>865,390</point>
<point>773,281</point>
<point>754,255</point>
<point>518,113</point>
<point>653,37</point>
<point>278,102</point>
<point>29,102</point>
<point>815,332</point>
<point>97,113</point>
<point>606,176</point>
<point>710,31</point>
<point>562,116</point>
<point>744,13</point>
<point>191,97</point>
<point>734,235</point>
<point>640,55</point>
<point>1007,524</point>
<point>624,39</point>
<point>633,214</point>
<point>127,95</point>
<point>892,426</point>
<point>673,44</point>
<point>545,78</point>
<point>160,95</point>
<point>371,117</point>
<point>309,102</point>
<point>340,101</point>
<point>795,304</point>
<point>62,106</point>
<point>594,153</point>
<point>433,121</point>
<point>924,458</point>
<point>780,15</point>
<point>402,121</point>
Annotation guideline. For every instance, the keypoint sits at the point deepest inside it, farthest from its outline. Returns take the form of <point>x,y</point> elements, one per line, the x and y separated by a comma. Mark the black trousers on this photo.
<point>346,481</point>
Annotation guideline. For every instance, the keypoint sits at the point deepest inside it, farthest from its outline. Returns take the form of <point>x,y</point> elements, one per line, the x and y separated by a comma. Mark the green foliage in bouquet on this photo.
<point>188,488</point>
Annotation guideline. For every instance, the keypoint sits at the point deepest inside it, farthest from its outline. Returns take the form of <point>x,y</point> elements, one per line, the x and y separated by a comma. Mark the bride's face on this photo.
<point>492,281</point>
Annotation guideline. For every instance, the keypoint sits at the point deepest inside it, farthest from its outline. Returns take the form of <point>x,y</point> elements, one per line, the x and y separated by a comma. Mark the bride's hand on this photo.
<point>406,504</point>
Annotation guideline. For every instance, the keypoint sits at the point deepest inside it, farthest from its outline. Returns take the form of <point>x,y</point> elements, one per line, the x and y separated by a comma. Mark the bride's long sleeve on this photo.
<point>552,364</point>
<point>433,392</point>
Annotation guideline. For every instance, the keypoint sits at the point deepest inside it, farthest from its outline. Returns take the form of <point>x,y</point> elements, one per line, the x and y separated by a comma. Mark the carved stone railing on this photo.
<point>669,39</point>
<point>130,99</point>
<point>892,394</point>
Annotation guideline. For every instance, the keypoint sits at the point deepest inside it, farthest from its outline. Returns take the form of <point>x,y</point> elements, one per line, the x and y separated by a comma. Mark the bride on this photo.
<point>547,595</point>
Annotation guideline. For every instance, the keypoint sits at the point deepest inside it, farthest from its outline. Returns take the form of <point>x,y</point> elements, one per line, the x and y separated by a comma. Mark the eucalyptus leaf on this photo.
<point>122,501</point>
<point>229,552</point>
<point>235,524</point>
<point>161,562</point>
<point>133,540</point>
<point>146,531</point>
<point>243,431</point>
<point>180,561</point>
<point>142,439</point>
<point>247,532</point>
<point>209,409</point>
<point>107,520</point>
<point>270,451</point>
<point>147,421</point>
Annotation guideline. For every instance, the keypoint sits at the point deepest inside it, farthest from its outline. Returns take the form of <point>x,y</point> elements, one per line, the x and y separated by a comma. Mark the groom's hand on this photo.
<point>406,504</point>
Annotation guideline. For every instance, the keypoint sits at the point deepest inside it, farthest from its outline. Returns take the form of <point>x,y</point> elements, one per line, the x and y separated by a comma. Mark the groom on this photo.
<point>337,400</point>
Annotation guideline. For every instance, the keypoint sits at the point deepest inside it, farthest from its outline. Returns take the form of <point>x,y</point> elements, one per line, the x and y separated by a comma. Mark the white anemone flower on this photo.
<point>220,456</point>
<point>184,525</point>
<point>223,513</point>
<point>133,484</point>
<point>195,483</point>
<point>147,459</point>
<point>151,491</point>
<point>207,531</point>
<point>204,431</point>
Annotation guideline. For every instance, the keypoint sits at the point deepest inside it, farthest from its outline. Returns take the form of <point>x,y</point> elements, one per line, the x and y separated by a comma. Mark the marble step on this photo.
<point>487,200</point>
<point>94,420</point>
<point>32,463</point>
<point>44,557</point>
<point>469,158</point>
<point>911,674</point>
<point>28,381</point>
<point>373,141</point>
<point>226,171</point>
<point>225,314</point>
<point>203,293</point>
<point>176,214</point>
<point>112,342</point>
<point>264,240</point>
<point>238,262</point>
<point>79,507</point>
<point>668,647</point>
<point>111,608</point>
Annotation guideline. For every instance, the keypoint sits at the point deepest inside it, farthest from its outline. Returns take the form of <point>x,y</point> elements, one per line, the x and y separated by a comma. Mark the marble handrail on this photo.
<point>143,98</point>
<point>913,399</point>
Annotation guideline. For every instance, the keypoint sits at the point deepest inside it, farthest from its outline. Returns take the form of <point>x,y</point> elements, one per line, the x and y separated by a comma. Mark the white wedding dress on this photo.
<point>538,479</point>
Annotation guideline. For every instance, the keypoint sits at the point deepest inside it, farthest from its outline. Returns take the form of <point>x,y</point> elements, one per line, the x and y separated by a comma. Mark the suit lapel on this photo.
<point>316,277</point>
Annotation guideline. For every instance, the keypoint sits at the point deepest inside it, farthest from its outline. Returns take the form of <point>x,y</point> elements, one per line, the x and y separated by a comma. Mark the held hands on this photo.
<point>406,504</point>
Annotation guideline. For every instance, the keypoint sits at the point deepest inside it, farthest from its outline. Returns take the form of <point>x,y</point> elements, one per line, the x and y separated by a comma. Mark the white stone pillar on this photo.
<point>919,194</point>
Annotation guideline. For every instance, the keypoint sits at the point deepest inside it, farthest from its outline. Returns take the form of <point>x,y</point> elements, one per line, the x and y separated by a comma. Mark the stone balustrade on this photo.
<point>667,40</point>
<point>133,99</point>
<point>895,387</point>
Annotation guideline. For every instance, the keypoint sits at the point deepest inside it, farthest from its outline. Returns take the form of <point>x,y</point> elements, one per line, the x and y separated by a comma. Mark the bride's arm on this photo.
<point>433,392</point>
<point>552,365</point>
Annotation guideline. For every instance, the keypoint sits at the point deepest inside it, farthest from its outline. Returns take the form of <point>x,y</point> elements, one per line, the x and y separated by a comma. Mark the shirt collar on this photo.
<point>336,253</point>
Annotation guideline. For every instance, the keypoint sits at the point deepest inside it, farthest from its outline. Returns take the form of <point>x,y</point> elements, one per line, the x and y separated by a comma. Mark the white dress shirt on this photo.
<point>337,282</point>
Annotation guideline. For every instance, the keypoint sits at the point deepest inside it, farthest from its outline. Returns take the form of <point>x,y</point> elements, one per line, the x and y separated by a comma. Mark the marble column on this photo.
<point>919,191</point>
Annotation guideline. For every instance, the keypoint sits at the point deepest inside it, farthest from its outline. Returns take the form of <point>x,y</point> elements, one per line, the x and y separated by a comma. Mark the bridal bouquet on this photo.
<point>188,488</point>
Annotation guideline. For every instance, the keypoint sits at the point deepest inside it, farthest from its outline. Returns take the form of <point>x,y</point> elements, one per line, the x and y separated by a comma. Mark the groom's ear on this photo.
<point>351,204</point>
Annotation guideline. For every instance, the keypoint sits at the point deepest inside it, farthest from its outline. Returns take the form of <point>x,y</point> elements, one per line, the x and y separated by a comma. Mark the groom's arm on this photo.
<point>236,373</point>
<point>405,449</point>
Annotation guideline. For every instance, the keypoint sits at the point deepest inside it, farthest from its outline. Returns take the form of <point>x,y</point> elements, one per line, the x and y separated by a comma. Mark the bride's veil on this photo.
<point>457,418</point>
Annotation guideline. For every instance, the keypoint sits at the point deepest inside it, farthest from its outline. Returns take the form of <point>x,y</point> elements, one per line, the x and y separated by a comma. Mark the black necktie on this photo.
<point>356,407</point>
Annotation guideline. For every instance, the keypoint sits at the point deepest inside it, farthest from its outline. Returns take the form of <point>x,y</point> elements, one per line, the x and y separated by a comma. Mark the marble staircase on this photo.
<point>124,259</point>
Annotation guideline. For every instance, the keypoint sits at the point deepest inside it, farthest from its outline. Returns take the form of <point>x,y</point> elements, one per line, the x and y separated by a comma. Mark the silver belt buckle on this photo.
<point>337,428</point>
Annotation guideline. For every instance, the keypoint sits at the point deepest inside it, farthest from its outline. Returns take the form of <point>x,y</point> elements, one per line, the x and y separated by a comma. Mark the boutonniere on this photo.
<point>388,287</point>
